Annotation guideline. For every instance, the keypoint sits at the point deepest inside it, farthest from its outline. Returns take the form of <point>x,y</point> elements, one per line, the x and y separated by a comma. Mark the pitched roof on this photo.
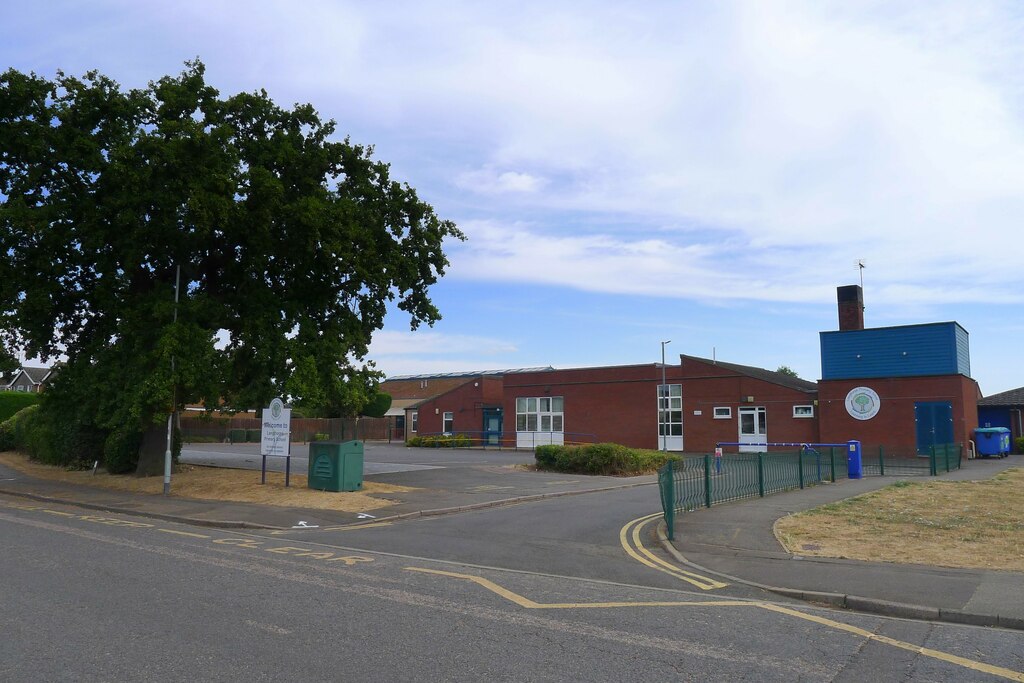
<point>762,374</point>
<point>470,373</point>
<point>34,375</point>
<point>1013,397</point>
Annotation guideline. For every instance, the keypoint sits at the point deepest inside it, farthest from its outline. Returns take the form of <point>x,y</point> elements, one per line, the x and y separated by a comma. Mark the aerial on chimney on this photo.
<point>851,307</point>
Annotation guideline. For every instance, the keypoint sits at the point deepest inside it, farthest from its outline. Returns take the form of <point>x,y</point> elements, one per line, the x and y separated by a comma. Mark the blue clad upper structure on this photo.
<point>904,351</point>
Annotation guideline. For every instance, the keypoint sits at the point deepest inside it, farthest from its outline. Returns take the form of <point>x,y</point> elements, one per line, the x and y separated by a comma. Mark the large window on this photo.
<point>670,410</point>
<point>449,423</point>
<point>541,414</point>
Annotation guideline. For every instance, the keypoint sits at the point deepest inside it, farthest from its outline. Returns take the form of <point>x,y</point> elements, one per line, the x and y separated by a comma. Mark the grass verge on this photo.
<point>217,483</point>
<point>969,524</point>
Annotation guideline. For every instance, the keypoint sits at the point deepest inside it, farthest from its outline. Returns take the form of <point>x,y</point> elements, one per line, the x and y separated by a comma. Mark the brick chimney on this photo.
<point>851,307</point>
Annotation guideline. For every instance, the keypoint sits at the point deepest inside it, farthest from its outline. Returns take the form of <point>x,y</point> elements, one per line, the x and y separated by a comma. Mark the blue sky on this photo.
<point>707,173</point>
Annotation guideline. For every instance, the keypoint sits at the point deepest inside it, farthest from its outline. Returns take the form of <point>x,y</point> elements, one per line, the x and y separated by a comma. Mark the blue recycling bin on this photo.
<point>992,441</point>
<point>854,462</point>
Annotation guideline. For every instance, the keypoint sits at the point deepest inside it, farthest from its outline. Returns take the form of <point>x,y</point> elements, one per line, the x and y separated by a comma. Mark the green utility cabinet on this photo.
<point>336,466</point>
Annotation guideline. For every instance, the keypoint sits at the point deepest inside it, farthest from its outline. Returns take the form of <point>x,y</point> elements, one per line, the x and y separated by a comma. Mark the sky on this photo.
<point>700,173</point>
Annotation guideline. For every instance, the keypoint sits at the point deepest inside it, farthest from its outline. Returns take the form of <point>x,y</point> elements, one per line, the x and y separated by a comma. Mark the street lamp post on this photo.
<point>174,397</point>
<point>663,401</point>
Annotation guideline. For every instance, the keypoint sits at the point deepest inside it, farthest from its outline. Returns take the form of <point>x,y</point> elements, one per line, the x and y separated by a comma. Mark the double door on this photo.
<point>753,429</point>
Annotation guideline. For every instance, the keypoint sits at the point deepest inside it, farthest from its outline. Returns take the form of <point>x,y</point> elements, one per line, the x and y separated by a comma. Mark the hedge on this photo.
<point>13,401</point>
<point>439,441</point>
<point>600,458</point>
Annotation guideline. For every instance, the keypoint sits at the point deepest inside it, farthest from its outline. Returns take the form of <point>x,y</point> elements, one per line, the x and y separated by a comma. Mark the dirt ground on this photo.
<point>215,483</point>
<point>977,525</point>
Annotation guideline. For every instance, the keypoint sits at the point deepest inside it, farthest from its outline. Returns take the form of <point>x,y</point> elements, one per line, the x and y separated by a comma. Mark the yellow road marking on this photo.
<point>58,512</point>
<point>927,652</point>
<point>650,560</point>
<point>526,603</point>
<point>530,604</point>
<point>183,533</point>
<point>638,544</point>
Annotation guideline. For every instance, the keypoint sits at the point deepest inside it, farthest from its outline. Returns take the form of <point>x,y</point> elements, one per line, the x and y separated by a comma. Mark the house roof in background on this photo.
<point>1013,397</point>
<point>35,375</point>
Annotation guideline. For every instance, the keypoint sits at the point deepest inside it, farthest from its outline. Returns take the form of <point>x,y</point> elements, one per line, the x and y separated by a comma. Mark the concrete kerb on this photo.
<point>855,603</point>
<point>227,524</point>
<point>221,524</point>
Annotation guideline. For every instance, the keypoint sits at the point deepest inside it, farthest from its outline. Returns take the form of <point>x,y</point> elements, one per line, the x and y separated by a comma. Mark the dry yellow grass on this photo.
<point>213,483</point>
<point>978,525</point>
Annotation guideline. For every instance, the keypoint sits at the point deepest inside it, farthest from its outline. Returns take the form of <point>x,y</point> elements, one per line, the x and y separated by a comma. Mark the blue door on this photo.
<point>934,422</point>
<point>492,427</point>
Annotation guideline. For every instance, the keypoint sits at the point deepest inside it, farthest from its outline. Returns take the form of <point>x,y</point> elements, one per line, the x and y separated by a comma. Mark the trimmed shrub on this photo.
<point>440,441</point>
<point>6,435</point>
<point>320,436</point>
<point>253,435</point>
<point>121,451</point>
<point>13,401</point>
<point>1018,444</point>
<point>236,435</point>
<point>608,459</point>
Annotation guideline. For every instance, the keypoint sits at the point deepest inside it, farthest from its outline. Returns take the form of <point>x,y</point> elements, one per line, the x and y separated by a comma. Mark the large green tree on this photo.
<point>290,244</point>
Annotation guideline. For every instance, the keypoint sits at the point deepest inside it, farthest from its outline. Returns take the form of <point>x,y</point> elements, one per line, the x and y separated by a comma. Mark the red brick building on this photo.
<point>905,387</point>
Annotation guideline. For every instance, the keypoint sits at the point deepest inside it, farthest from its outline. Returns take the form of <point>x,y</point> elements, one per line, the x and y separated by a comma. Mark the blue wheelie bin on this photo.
<point>992,441</point>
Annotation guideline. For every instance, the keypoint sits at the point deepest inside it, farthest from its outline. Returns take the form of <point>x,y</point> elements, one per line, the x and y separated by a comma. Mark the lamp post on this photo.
<point>174,397</point>
<point>662,400</point>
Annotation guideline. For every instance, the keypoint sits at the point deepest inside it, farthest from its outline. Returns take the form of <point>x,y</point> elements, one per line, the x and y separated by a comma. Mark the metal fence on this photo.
<point>239,429</point>
<point>497,440</point>
<point>703,481</point>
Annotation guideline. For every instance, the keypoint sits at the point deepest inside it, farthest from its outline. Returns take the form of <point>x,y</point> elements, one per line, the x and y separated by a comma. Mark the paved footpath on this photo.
<point>737,540</point>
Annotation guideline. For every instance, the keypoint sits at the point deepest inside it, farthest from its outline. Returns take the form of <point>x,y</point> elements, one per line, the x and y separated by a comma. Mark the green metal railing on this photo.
<point>703,481</point>
<point>883,461</point>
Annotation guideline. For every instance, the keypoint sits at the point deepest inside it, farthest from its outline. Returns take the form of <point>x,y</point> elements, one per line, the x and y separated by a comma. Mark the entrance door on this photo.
<point>753,429</point>
<point>492,427</point>
<point>670,417</point>
<point>934,422</point>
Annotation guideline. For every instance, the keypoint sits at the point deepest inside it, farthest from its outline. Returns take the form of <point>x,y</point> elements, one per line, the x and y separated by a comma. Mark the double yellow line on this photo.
<point>629,537</point>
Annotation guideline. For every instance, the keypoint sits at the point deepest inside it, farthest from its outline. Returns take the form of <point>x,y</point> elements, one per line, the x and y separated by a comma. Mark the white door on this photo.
<point>670,417</point>
<point>753,429</point>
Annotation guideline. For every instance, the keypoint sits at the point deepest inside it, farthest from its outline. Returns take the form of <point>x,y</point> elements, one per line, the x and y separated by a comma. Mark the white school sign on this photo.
<point>276,429</point>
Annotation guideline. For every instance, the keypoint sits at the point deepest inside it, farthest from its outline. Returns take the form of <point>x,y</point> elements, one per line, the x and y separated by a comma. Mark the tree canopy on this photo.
<point>786,370</point>
<point>290,243</point>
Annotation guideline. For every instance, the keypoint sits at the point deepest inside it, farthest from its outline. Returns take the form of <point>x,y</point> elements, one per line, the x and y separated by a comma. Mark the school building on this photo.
<point>906,388</point>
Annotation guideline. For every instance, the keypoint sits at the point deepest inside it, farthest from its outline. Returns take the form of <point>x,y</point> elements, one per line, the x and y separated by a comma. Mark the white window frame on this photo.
<point>669,406</point>
<point>802,412</point>
<point>448,422</point>
<point>539,420</point>
<point>414,418</point>
<point>722,412</point>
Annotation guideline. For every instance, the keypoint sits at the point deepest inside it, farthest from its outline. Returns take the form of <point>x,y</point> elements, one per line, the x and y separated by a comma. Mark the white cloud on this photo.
<point>489,181</point>
<point>390,342</point>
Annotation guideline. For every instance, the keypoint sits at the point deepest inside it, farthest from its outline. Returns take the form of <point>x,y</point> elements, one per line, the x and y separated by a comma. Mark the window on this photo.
<point>670,410</point>
<point>541,414</point>
<point>723,413</point>
<point>449,422</point>
<point>803,411</point>
<point>415,421</point>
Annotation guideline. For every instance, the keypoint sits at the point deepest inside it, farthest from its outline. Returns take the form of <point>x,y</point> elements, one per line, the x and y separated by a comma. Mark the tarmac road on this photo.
<point>116,597</point>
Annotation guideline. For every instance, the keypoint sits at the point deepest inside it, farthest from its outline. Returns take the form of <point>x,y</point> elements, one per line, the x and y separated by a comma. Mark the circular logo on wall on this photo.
<point>276,406</point>
<point>862,403</point>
